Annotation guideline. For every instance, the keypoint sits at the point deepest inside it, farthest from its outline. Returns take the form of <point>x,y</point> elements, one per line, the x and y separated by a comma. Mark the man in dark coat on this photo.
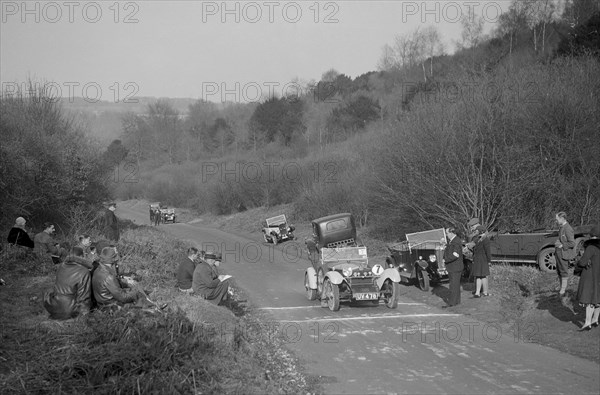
<point>107,289</point>
<point>18,235</point>
<point>453,258</point>
<point>185,270</point>
<point>109,223</point>
<point>72,291</point>
<point>588,293</point>
<point>564,250</point>
<point>207,282</point>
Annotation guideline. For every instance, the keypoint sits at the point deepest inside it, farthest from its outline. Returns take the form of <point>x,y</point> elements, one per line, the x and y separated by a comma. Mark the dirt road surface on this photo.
<point>367,348</point>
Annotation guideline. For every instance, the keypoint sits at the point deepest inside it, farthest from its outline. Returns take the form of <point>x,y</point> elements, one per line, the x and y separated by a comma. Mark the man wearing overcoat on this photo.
<point>453,258</point>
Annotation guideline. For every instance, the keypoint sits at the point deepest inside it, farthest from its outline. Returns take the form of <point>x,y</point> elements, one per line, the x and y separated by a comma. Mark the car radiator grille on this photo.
<point>362,285</point>
<point>341,243</point>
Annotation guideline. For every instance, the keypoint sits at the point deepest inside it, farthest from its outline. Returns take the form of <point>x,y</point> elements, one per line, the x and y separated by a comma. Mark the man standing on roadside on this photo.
<point>110,224</point>
<point>453,258</point>
<point>564,251</point>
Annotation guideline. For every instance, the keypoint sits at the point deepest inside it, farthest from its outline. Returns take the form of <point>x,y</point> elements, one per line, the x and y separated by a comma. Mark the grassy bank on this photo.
<point>190,347</point>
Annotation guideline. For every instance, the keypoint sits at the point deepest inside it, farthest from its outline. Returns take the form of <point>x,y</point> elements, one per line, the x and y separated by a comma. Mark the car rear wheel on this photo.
<point>266,238</point>
<point>390,291</point>
<point>274,237</point>
<point>332,295</point>
<point>311,294</point>
<point>423,280</point>
<point>546,260</point>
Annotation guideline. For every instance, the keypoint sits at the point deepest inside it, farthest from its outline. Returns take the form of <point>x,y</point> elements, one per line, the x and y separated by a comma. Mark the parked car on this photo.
<point>341,271</point>
<point>168,215</point>
<point>277,230</point>
<point>533,247</point>
<point>420,258</point>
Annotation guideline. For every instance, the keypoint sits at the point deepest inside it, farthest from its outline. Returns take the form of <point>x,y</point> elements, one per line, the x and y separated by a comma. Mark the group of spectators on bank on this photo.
<point>87,275</point>
<point>477,249</point>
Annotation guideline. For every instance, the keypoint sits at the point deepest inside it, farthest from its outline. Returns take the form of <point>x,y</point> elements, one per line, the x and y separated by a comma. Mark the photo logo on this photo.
<point>69,11</point>
<point>269,11</point>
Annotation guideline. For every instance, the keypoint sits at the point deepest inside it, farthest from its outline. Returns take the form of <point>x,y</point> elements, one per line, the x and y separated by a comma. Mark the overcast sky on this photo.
<point>200,49</point>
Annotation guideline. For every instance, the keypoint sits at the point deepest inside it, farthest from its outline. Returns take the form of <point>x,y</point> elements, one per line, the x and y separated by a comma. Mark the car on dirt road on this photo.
<point>277,230</point>
<point>168,215</point>
<point>533,247</point>
<point>419,258</point>
<point>341,271</point>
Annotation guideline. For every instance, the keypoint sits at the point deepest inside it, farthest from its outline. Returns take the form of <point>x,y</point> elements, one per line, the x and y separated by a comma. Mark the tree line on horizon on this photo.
<point>514,153</point>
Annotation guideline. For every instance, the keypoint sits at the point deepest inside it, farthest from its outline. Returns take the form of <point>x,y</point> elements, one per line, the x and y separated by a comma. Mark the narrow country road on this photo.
<point>368,349</point>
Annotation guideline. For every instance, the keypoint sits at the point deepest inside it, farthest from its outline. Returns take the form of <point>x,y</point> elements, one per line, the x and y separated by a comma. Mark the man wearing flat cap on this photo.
<point>207,282</point>
<point>108,292</point>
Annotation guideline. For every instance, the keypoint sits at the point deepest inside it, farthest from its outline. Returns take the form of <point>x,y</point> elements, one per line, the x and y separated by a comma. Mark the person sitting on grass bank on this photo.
<point>108,292</point>
<point>185,270</point>
<point>18,235</point>
<point>71,295</point>
<point>208,283</point>
<point>45,244</point>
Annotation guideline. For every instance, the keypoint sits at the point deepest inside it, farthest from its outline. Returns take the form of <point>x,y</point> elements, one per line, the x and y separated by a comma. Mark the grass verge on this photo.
<point>191,347</point>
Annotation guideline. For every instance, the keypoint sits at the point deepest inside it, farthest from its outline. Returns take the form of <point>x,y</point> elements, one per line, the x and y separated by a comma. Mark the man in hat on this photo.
<point>108,292</point>
<point>109,223</point>
<point>208,283</point>
<point>71,295</point>
<point>18,235</point>
<point>185,270</point>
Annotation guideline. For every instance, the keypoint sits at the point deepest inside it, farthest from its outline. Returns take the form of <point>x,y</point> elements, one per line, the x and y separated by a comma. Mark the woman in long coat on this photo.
<point>482,256</point>
<point>588,293</point>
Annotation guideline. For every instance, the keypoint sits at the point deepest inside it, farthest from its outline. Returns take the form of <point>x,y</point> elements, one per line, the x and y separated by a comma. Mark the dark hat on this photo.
<point>472,221</point>
<point>595,232</point>
<point>109,255</point>
<point>216,256</point>
<point>480,229</point>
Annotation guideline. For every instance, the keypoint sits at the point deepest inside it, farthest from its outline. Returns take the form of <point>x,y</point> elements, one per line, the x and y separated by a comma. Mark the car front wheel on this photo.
<point>423,280</point>
<point>331,293</point>
<point>546,260</point>
<point>390,291</point>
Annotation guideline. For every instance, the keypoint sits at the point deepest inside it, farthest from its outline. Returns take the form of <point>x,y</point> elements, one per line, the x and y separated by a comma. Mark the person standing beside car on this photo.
<point>453,258</point>
<point>588,292</point>
<point>482,256</point>
<point>564,250</point>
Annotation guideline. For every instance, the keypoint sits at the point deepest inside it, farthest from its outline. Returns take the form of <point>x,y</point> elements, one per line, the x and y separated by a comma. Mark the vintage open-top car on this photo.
<point>341,271</point>
<point>277,230</point>
<point>533,247</point>
<point>420,258</point>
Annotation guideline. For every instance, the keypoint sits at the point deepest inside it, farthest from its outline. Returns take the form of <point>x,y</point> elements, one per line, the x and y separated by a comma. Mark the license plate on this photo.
<point>366,296</point>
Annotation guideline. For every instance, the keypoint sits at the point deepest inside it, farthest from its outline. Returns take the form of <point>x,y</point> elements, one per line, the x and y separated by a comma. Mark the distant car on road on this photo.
<point>277,230</point>
<point>533,247</point>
